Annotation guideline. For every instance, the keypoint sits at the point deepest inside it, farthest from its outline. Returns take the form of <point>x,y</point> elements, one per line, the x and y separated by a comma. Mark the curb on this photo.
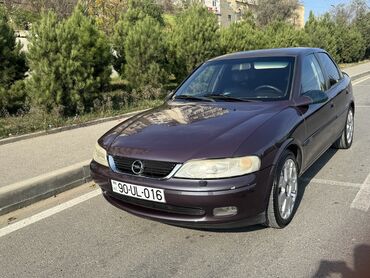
<point>358,76</point>
<point>65,128</point>
<point>27,192</point>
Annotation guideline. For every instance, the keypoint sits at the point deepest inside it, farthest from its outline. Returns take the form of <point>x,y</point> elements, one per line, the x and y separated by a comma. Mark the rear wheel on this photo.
<point>346,138</point>
<point>283,196</point>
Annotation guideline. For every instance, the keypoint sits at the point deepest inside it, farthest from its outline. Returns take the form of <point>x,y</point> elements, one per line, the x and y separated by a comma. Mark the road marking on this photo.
<point>331,182</point>
<point>362,199</point>
<point>49,212</point>
<point>360,81</point>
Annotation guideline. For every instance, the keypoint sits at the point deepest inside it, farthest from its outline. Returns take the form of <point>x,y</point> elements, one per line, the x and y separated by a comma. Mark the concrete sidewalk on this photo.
<point>30,163</point>
<point>358,71</point>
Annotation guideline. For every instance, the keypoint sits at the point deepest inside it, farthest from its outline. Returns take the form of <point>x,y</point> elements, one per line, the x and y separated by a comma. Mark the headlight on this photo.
<point>100,155</point>
<point>219,168</point>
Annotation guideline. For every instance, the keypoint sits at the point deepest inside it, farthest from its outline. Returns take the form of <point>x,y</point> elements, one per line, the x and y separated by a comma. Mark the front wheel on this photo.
<point>346,138</point>
<point>283,196</point>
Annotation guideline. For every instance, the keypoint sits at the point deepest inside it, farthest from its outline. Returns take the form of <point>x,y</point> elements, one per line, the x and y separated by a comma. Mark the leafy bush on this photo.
<point>12,67</point>
<point>145,52</point>
<point>136,11</point>
<point>69,62</point>
<point>195,38</point>
<point>282,34</point>
<point>13,99</point>
<point>242,36</point>
<point>343,41</point>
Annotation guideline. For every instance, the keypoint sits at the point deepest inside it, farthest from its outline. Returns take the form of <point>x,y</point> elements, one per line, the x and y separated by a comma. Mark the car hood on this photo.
<point>180,131</point>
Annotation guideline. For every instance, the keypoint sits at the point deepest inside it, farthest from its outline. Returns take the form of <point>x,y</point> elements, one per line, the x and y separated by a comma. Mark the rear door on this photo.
<point>320,117</point>
<point>337,90</point>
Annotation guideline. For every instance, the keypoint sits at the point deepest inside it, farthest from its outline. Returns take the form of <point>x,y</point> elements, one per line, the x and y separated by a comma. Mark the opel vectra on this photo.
<point>228,145</point>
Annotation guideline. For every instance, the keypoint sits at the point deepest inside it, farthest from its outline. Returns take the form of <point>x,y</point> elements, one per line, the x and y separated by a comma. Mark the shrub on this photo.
<point>282,34</point>
<point>350,44</point>
<point>70,62</point>
<point>145,53</point>
<point>342,40</point>
<point>242,36</point>
<point>12,65</point>
<point>321,32</point>
<point>14,98</point>
<point>195,38</point>
<point>362,23</point>
<point>136,11</point>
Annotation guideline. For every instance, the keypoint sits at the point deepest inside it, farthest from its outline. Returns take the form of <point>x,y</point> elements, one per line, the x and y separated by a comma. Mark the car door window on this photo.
<point>312,76</point>
<point>330,67</point>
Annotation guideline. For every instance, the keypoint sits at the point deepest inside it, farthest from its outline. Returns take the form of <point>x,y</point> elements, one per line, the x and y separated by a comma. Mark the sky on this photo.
<point>321,6</point>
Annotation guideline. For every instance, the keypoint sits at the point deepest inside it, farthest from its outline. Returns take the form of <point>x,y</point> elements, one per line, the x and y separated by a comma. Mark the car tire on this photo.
<point>346,138</point>
<point>284,187</point>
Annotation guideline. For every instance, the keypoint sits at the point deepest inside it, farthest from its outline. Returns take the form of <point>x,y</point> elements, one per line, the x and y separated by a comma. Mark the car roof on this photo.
<point>293,51</point>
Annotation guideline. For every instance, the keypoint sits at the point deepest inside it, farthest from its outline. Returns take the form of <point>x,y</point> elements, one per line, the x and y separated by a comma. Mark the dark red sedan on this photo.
<point>227,147</point>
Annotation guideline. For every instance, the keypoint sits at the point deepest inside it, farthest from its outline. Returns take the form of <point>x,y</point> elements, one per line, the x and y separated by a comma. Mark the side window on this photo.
<point>329,66</point>
<point>312,77</point>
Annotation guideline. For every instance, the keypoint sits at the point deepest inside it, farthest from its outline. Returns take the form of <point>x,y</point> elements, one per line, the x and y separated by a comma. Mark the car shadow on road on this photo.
<point>361,266</point>
<point>315,168</point>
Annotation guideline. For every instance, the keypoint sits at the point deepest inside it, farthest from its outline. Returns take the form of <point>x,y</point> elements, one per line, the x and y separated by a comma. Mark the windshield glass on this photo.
<point>263,79</point>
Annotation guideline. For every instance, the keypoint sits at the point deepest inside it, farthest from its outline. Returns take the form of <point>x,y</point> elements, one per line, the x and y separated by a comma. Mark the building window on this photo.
<point>229,17</point>
<point>214,3</point>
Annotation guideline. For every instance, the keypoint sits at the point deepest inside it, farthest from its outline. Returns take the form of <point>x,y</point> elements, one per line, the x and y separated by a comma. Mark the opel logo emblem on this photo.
<point>137,167</point>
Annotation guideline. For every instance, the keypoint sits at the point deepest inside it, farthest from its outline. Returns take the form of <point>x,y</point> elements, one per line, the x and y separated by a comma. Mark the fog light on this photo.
<point>225,211</point>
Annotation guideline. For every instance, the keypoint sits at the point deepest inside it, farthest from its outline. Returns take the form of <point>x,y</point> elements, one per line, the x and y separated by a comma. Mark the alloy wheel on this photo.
<point>287,189</point>
<point>349,127</point>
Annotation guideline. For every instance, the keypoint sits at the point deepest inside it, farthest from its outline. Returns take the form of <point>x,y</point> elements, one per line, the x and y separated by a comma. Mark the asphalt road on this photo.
<point>86,237</point>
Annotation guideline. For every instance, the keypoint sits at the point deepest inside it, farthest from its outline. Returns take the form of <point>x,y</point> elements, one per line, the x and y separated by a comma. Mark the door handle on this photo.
<point>332,105</point>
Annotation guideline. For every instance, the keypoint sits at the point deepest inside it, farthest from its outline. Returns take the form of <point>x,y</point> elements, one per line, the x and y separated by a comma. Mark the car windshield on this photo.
<point>252,79</point>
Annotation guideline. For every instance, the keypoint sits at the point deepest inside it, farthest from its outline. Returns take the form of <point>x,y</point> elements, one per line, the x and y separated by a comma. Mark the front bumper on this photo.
<point>190,203</point>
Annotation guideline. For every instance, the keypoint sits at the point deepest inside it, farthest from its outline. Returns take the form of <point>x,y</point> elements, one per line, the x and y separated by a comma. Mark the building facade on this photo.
<point>229,11</point>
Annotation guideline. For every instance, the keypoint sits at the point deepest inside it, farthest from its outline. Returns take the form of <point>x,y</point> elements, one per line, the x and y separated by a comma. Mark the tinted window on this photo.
<point>329,66</point>
<point>251,78</point>
<point>312,76</point>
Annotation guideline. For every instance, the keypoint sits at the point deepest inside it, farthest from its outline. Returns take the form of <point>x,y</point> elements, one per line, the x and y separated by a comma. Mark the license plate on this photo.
<point>138,191</point>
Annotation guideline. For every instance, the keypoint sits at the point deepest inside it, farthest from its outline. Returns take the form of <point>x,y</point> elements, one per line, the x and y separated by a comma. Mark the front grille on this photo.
<point>160,206</point>
<point>152,168</point>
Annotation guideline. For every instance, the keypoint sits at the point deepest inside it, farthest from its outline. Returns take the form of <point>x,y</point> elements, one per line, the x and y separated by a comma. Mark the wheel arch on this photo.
<point>294,147</point>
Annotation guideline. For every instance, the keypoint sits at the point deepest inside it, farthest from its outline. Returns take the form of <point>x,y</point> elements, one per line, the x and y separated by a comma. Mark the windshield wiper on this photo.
<point>190,97</point>
<point>228,98</point>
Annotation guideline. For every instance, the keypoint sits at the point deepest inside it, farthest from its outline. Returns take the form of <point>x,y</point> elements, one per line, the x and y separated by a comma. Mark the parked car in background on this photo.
<point>227,147</point>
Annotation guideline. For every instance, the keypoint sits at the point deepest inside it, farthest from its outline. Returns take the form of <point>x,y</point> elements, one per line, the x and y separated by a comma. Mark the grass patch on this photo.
<point>38,120</point>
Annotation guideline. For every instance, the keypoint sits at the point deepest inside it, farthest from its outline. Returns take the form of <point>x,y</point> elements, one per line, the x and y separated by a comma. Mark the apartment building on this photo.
<point>229,11</point>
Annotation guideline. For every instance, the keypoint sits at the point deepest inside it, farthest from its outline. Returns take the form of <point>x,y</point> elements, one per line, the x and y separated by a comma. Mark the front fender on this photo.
<point>268,142</point>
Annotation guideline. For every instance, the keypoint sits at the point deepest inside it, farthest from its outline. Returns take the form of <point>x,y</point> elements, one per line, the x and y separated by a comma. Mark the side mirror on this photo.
<point>333,81</point>
<point>316,96</point>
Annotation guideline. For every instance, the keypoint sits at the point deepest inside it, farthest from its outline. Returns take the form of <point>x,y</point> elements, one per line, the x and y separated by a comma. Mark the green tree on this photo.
<point>12,67</point>
<point>341,39</point>
<point>362,24</point>
<point>269,11</point>
<point>69,62</point>
<point>194,39</point>
<point>136,11</point>
<point>283,34</point>
<point>145,52</point>
<point>350,43</point>
<point>242,36</point>
<point>321,33</point>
